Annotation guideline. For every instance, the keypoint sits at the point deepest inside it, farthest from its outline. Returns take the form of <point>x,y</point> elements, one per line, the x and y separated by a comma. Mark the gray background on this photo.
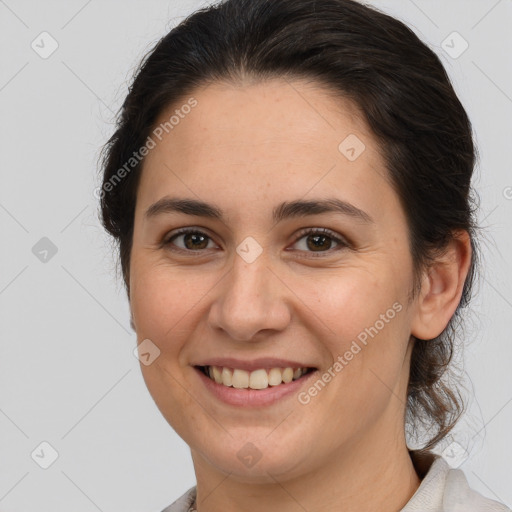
<point>68,375</point>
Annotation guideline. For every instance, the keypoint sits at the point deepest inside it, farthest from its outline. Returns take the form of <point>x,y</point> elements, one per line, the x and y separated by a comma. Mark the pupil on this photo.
<point>195,237</point>
<point>316,238</point>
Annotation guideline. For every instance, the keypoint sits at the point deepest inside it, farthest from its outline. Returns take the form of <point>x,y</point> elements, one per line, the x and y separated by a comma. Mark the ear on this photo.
<point>441,288</point>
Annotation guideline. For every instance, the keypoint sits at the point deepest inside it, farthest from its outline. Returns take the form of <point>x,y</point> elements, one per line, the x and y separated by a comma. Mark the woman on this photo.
<point>289,185</point>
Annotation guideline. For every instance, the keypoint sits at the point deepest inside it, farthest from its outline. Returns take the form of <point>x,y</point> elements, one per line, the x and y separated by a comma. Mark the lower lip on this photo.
<point>253,397</point>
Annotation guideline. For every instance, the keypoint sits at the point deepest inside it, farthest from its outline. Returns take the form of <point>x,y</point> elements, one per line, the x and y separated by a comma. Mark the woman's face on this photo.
<point>263,281</point>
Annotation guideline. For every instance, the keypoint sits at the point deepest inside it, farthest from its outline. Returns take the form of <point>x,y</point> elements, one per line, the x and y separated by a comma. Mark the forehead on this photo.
<point>275,111</point>
<point>274,137</point>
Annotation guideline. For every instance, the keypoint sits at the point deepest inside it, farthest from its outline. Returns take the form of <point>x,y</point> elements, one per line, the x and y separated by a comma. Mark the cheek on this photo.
<point>163,301</point>
<point>367,318</point>
<point>356,299</point>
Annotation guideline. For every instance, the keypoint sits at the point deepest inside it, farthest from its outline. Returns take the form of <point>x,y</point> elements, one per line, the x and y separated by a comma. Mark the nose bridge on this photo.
<point>249,301</point>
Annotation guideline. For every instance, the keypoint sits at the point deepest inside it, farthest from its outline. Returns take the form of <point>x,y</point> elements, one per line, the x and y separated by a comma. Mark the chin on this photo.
<point>258,461</point>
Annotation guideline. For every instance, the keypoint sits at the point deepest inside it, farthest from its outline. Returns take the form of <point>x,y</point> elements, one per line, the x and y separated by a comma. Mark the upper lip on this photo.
<point>253,364</point>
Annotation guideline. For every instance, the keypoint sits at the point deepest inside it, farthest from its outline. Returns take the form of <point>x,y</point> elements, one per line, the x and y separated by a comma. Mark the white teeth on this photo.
<point>227,377</point>
<point>217,375</point>
<point>287,375</point>
<point>257,379</point>
<point>240,379</point>
<point>275,376</point>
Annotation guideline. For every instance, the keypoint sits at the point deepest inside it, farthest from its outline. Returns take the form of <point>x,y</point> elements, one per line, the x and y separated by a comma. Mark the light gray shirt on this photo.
<point>442,489</point>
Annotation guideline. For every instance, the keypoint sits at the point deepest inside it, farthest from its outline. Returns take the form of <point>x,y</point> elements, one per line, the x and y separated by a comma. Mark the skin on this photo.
<point>247,148</point>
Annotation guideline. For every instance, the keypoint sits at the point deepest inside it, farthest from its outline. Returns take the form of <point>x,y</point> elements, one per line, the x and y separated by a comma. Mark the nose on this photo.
<point>251,300</point>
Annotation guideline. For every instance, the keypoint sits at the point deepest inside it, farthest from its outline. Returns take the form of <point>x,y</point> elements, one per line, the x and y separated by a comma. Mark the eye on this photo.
<point>316,240</point>
<point>193,240</point>
<point>319,240</point>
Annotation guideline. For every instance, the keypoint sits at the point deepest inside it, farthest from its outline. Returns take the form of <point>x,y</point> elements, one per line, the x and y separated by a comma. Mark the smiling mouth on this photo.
<point>257,379</point>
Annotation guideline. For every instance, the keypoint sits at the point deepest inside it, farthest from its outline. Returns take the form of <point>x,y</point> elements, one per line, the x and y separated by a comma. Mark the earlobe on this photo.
<point>442,287</point>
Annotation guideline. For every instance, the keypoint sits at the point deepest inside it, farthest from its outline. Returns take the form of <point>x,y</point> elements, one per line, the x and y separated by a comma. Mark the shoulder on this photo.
<point>183,503</point>
<point>445,489</point>
<point>458,496</point>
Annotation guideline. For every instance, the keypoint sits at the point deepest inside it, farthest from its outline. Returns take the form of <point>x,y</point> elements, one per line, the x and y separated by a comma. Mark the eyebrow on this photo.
<point>285,210</point>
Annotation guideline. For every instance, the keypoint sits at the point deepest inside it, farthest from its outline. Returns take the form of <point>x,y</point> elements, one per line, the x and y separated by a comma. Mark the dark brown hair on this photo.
<point>360,53</point>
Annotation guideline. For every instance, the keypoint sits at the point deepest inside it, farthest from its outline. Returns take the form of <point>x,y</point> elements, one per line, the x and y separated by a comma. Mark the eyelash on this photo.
<point>342,243</point>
